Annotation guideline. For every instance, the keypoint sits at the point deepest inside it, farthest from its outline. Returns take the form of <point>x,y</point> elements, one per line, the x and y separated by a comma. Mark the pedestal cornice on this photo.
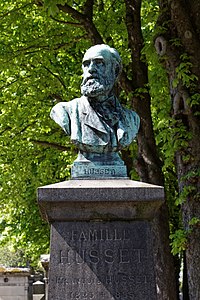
<point>99,200</point>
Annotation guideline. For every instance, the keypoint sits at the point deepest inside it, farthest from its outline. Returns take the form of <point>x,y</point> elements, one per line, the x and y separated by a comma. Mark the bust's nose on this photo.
<point>92,67</point>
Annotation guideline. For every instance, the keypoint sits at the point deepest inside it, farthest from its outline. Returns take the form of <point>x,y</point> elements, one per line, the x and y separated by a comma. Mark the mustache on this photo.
<point>89,78</point>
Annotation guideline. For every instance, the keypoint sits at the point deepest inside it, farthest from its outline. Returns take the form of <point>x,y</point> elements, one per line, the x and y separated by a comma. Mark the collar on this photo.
<point>109,110</point>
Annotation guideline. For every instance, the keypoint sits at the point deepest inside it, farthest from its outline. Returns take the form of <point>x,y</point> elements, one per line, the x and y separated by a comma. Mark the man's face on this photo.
<point>98,73</point>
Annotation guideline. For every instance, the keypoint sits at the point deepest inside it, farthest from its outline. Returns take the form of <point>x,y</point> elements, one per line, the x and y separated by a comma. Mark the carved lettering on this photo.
<point>99,171</point>
<point>117,237</point>
<point>100,235</point>
<point>77,281</point>
<point>64,258</point>
<point>74,235</point>
<point>106,171</point>
<point>93,235</point>
<point>108,236</point>
<point>94,256</point>
<point>80,257</point>
<point>82,236</point>
<point>108,279</point>
<point>81,295</point>
<point>109,256</point>
<point>126,278</point>
<point>126,235</point>
<point>124,256</point>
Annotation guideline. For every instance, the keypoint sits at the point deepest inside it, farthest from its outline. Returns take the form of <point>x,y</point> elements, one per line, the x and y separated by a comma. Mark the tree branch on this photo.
<point>56,98</point>
<point>72,12</point>
<point>88,9</point>
<point>135,39</point>
<point>5,129</point>
<point>125,83</point>
<point>7,85</point>
<point>189,36</point>
<point>56,76</point>
<point>66,22</point>
<point>15,10</point>
<point>85,20</point>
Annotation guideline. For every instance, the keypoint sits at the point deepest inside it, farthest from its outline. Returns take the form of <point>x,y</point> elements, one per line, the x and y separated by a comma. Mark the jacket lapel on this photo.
<point>90,117</point>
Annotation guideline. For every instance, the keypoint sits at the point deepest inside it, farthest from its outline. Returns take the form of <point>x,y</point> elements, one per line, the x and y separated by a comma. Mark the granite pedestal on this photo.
<point>101,241</point>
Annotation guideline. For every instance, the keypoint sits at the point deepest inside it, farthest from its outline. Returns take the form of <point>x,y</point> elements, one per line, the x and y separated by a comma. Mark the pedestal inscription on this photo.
<point>102,261</point>
<point>91,170</point>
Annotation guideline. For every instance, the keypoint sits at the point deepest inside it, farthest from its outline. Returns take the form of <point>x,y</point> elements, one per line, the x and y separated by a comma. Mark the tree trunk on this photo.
<point>148,163</point>
<point>179,48</point>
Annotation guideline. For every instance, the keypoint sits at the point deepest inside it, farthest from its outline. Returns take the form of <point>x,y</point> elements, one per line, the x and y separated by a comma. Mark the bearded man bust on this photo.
<point>97,123</point>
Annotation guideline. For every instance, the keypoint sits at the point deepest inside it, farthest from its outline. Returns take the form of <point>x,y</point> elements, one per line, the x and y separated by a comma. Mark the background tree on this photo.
<point>178,44</point>
<point>42,45</point>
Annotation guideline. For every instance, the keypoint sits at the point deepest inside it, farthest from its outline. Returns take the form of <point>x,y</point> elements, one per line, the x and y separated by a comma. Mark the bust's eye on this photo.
<point>86,63</point>
<point>99,61</point>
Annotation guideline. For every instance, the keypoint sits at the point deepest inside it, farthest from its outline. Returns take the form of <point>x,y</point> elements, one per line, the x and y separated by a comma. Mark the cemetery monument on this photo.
<point>101,239</point>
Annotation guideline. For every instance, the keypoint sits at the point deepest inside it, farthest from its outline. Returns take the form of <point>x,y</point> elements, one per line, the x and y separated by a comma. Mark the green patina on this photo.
<point>96,122</point>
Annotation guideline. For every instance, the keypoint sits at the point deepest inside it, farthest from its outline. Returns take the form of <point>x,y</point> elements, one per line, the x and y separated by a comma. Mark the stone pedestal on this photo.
<point>101,241</point>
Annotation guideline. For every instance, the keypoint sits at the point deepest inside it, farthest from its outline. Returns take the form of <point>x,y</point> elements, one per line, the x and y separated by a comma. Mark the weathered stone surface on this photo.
<point>99,200</point>
<point>101,241</point>
<point>101,261</point>
<point>14,283</point>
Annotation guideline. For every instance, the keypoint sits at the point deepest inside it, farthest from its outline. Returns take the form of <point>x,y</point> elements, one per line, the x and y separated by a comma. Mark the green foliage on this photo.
<point>186,192</point>
<point>40,63</point>
<point>184,74</point>
<point>194,221</point>
<point>179,241</point>
<point>194,101</point>
<point>34,71</point>
<point>170,134</point>
<point>41,49</point>
<point>10,258</point>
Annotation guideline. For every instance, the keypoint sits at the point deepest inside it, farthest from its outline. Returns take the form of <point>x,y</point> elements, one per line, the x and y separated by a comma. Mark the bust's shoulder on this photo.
<point>132,116</point>
<point>65,106</point>
<point>130,112</point>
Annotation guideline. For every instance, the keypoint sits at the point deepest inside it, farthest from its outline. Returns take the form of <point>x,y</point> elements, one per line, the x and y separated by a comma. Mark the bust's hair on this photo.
<point>114,55</point>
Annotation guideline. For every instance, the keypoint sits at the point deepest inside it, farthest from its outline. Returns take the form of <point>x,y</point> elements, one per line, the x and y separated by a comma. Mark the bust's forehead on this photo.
<point>97,52</point>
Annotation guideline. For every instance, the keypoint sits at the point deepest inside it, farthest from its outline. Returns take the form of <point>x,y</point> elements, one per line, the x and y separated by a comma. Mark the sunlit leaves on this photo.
<point>41,50</point>
<point>35,71</point>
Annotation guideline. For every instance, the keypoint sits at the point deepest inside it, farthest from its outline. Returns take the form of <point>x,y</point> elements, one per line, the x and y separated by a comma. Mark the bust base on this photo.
<point>98,166</point>
<point>90,170</point>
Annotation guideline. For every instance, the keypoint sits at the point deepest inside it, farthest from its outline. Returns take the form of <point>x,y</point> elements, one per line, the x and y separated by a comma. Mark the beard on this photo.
<point>94,87</point>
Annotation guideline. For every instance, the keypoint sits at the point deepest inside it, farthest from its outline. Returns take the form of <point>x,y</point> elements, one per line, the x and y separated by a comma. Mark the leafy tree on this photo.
<point>42,44</point>
<point>177,43</point>
<point>27,59</point>
<point>11,258</point>
<point>42,48</point>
